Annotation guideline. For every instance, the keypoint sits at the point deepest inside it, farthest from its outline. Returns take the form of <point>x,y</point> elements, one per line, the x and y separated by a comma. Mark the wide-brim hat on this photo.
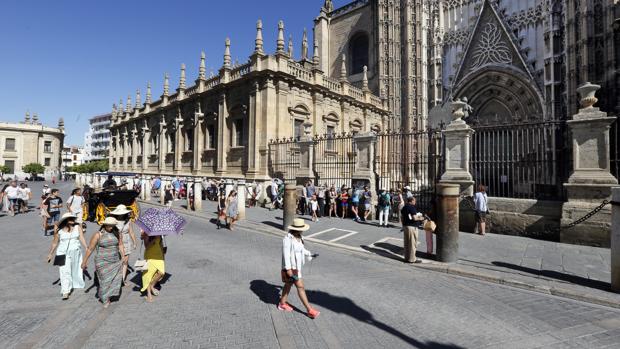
<point>120,210</point>
<point>109,221</point>
<point>298,225</point>
<point>66,216</point>
<point>407,188</point>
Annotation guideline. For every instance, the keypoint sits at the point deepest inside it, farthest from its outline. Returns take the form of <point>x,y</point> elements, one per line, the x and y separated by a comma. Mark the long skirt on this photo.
<point>110,277</point>
<point>71,275</point>
<point>153,266</point>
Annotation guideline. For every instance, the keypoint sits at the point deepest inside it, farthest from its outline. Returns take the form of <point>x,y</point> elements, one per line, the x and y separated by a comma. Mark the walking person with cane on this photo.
<point>294,255</point>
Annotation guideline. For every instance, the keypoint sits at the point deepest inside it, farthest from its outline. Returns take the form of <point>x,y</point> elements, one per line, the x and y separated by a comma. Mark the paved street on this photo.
<point>223,285</point>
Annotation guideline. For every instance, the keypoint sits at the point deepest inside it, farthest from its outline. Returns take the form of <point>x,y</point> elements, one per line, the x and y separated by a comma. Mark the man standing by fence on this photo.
<point>411,222</point>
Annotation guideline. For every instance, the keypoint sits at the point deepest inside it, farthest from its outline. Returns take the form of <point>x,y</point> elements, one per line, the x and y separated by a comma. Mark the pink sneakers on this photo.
<point>313,313</point>
<point>285,307</point>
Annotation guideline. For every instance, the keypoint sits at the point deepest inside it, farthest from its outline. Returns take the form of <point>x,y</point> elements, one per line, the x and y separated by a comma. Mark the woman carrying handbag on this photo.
<point>68,236</point>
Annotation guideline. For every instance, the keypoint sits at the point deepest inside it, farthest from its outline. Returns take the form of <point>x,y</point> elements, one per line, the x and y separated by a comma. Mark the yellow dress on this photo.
<point>154,256</point>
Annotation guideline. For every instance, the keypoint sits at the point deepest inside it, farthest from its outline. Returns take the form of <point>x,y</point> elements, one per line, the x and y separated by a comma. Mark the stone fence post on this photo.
<point>241,197</point>
<point>590,181</point>
<point>363,170</point>
<point>448,222</point>
<point>197,194</point>
<point>290,205</point>
<point>306,158</point>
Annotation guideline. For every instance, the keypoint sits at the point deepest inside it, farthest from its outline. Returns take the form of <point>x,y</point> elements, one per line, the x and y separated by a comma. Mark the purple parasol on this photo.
<point>165,221</point>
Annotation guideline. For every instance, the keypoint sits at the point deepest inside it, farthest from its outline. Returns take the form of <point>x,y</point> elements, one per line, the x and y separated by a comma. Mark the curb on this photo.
<point>435,266</point>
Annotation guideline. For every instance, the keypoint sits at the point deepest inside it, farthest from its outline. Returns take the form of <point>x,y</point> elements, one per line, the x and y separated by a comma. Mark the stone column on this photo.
<point>306,158</point>
<point>197,194</point>
<point>241,197</point>
<point>178,152</point>
<point>162,191</point>
<point>458,142</point>
<point>222,137</point>
<point>146,140</point>
<point>364,174</point>
<point>290,205</point>
<point>590,181</point>
<point>615,240</point>
<point>198,141</point>
<point>125,150</point>
<point>163,145</point>
<point>143,188</point>
<point>448,222</point>
<point>148,186</point>
<point>134,150</point>
<point>189,182</point>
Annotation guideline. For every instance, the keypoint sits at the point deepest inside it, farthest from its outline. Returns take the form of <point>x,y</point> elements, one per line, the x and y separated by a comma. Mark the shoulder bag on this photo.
<point>60,260</point>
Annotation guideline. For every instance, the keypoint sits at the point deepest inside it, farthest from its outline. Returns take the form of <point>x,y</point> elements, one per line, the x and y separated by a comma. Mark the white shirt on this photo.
<point>24,193</point>
<point>76,203</point>
<point>480,201</point>
<point>12,192</point>
<point>294,253</point>
<point>314,204</point>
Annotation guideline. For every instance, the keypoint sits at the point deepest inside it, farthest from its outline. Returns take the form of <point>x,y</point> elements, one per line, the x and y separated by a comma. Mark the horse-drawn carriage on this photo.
<point>99,204</point>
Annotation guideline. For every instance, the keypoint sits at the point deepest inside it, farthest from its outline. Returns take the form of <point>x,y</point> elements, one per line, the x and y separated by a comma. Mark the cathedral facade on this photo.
<point>513,60</point>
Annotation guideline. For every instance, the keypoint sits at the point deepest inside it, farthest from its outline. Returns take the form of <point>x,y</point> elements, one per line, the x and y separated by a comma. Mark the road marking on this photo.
<point>321,232</point>
<point>343,236</point>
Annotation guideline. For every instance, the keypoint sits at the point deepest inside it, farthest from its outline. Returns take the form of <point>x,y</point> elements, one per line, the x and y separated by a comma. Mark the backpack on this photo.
<point>383,202</point>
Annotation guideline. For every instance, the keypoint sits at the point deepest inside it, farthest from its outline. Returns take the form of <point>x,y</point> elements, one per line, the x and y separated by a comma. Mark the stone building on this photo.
<point>72,156</point>
<point>31,142</point>
<point>221,125</point>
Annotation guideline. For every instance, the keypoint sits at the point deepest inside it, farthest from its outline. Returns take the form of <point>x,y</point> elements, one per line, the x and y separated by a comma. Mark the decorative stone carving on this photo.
<point>490,48</point>
<point>456,37</point>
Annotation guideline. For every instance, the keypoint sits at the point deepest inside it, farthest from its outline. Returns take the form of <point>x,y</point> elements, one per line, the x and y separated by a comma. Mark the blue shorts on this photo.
<point>54,217</point>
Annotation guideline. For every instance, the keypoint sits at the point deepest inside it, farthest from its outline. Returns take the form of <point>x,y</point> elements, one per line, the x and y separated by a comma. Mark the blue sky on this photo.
<point>73,59</point>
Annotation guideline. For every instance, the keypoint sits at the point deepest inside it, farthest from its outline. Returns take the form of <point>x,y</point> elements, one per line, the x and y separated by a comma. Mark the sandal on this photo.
<point>313,313</point>
<point>285,307</point>
<point>155,293</point>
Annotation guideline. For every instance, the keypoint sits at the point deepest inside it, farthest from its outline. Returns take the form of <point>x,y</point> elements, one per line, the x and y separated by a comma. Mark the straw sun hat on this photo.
<point>120,210</point>
<point>110,221</point>
<point>66,216</point>
<point>298,225</point>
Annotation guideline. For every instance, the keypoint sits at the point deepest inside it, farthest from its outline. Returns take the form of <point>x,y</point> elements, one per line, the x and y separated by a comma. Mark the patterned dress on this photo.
<point>108,266</point>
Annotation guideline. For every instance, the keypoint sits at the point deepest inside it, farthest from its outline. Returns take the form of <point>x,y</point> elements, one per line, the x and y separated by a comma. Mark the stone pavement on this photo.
<point>222,288</point>
<point>580,272</point>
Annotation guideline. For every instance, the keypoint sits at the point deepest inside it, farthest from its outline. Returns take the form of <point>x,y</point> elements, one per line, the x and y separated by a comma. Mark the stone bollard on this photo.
<point>241,196</point>
<point>189,182</point>
<point>148,186</point>
<point>615,239</point>
<point>448,222</point>
<point>162,191</point>
<point>228,186</point>
<point>290,205</point>
<point>197,194</point>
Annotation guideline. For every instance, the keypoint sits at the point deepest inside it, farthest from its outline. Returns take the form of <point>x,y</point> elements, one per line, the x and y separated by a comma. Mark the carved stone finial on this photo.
<point>587,94</point>
<point>120,107</point>
<point>202,70</point>
<point>61,123</point>
<point>35,118</point>
<point>182,77</point>
<point>258,43</point>
<point>343,68</point>
<point>114,112</point>
<point>315,56</point>
<point>457,110</point>
<point>290,46</point>
<point>166,84</point>
<point>138,99</point>
<point>227,59</point>
<point>149,98</point>
<point>128,105</point>
<point>304,46</point>
<point>328,6</point>
<point>365,79</point>
<point>27,117</point>
<point>280,42</point>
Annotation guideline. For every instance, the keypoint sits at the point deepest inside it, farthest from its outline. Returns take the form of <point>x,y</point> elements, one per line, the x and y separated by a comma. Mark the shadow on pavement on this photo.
<point>269,294</point>
<point>573,279</point>
<point>273,224</point>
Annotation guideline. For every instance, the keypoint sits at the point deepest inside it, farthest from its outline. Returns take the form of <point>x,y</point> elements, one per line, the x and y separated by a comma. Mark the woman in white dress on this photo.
<point>74,204</point>
<point>68,236</point>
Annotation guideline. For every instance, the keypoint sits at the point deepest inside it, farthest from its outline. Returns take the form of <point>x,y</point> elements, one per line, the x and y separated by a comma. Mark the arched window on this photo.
<point>358,48</point>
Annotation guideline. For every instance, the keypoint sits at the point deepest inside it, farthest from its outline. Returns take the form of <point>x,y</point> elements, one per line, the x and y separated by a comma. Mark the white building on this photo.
<point>97,139</point>
<point>72,156</point>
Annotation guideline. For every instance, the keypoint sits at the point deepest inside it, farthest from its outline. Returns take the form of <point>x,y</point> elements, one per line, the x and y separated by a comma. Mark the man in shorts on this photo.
<point>53,204</point>
<point>24,196</point>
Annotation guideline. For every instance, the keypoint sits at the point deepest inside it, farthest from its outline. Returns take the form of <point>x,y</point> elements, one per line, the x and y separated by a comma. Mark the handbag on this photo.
<point>141,264</point>
<point>429,225</point>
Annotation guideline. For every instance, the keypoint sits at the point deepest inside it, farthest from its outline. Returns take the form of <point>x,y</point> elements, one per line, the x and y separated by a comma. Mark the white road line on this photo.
<point>321,232</point>
<point>343,236</point>
<point>386,239</point>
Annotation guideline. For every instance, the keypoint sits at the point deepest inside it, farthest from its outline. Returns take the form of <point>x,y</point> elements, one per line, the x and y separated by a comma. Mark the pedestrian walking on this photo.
<point>176,184</point>
<point>481,206</point>
<point>367,199</point>
<point>45,216</point>
<point>74,204</point>
<point>331,201</point>
<point>125,228</point>
<point>67,249</point>
<point>384,207</point>
<point>314,207</point>
<point>294,255</point>
<point>232,209</point>
<point>154,252</point>
<point>5,199</point>
<point>411,222</point>
<point>12,193</point>
<point>108,262</point>
<point>24,197</point>
<point>221,210</point>
<point>310,191</point>
<point>273,194</point>
<point>168,195</point>
<point>53,204</point>
<point>46,190</point>
<point>355,202</point>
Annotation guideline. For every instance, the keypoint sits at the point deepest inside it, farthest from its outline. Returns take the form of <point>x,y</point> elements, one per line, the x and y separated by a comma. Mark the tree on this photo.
<point>33,168</point>
<point>90,167</point>
<point>4,169</point>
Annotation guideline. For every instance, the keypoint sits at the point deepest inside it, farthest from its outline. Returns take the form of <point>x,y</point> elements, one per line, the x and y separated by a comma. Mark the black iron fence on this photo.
<point>526,160</point>
<point>614,149</point>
